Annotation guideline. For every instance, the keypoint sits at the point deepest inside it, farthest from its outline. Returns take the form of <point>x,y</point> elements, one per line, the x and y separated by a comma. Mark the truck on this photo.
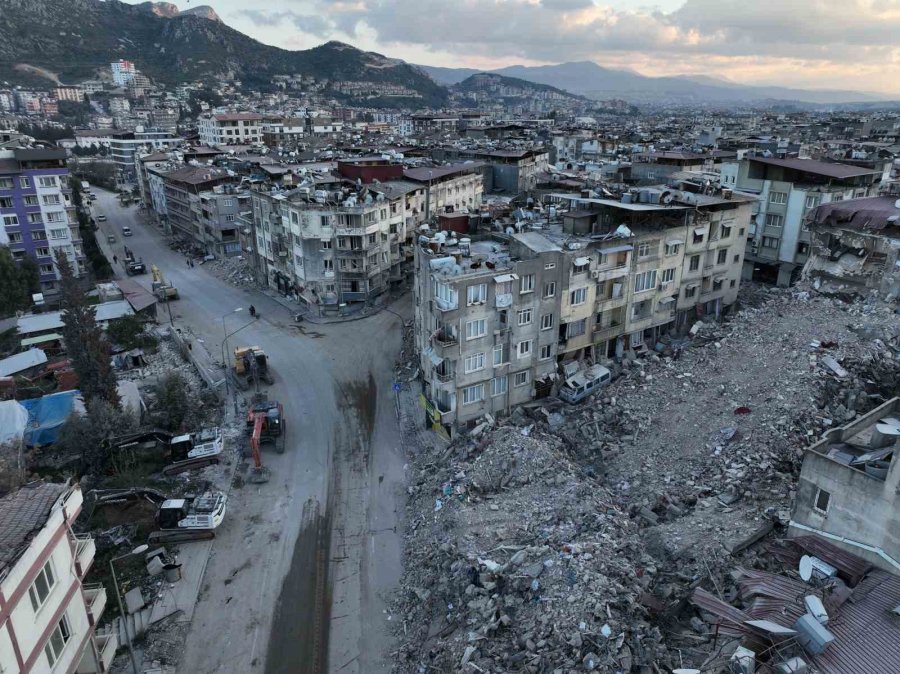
<point>164,292</point>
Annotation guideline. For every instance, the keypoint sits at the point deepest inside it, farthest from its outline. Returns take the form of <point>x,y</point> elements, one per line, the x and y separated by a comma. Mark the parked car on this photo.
<point>101,218</point>
<point>126,231</point>
<point>111,238</point>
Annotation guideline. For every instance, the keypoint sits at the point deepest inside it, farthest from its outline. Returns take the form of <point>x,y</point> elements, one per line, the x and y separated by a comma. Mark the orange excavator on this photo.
<point>265,422</point>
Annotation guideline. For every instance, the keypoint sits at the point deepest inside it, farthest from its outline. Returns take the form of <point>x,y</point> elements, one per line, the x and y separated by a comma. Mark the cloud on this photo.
<point>314,24</point>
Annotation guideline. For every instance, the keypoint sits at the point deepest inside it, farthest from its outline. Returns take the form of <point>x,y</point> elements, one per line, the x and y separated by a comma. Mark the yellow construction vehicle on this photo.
<point>163,291</point>
<point>250,365</point>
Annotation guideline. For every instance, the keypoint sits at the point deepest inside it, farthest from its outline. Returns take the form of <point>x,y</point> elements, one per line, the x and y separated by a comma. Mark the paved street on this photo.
<point>305,560</point>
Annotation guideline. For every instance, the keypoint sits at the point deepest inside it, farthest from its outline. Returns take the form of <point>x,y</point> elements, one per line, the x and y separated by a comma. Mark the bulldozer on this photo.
<point>251,365</point>
<point>265,423</point>
<point>164,292</point>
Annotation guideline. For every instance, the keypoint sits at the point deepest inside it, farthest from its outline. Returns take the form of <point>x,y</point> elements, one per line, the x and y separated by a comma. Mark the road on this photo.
<point>300,569</point>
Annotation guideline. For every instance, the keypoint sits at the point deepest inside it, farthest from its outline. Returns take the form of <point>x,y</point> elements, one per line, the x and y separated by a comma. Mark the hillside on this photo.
<point>74,39</point>
<point>502,87</point>
<point>590,79</point>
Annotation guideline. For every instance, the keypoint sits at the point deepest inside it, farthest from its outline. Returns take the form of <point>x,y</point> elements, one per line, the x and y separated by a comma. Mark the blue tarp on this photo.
<point>46,416</point>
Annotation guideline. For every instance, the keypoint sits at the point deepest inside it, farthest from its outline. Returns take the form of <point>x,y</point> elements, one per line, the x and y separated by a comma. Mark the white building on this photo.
<point>48,616</point>
<point>233,128</point>
<point>122,72</point>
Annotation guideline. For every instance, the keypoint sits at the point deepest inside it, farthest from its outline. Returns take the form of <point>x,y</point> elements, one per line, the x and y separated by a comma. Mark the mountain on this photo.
<point>167,10</point>
<point>77,39</point>
<point>509,88</point>
<point>592,80</point>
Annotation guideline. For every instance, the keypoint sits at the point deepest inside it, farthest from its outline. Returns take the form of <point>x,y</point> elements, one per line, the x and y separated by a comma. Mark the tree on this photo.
<point>18,281</point>
<point>174,410</point>
<point>85,344</point>
<point>88,435</point>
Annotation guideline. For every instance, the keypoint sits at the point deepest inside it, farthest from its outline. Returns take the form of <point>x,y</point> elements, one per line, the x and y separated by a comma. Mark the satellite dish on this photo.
<point>806,568</point>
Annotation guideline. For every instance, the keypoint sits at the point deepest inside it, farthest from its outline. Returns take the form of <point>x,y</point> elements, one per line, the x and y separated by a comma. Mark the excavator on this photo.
<point>163,291</point>
<point>265,422</point>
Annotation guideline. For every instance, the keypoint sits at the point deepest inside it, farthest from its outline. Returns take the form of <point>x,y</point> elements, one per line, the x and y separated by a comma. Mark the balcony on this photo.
<point>107,643</point>
<point>601,275</point>
<point>446,304</point>
<point>443,377</point>
<point>95,597</point>
<point>85,549</point>
<point>608,331</point>
<point>608,303</point>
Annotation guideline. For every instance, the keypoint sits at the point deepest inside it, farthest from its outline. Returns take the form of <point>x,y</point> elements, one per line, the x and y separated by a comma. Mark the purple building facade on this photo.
<point>36,210</point>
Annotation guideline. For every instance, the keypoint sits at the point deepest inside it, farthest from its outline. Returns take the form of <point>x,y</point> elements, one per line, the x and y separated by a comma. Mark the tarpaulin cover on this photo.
<point>47,415</point>
<point>13,420</point>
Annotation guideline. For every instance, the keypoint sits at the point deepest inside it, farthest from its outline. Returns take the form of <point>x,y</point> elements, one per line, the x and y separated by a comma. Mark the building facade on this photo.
<point>778,239</point>
<point>218,215</point>
<point>234,128</point>
<point>122,72</point>
<point>497,314</point>
<point>48,615</point>
<point>37,212</point>
<point>182,188</point>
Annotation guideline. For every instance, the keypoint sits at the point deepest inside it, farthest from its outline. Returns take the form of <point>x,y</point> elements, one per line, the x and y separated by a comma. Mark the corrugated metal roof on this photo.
<point>22,361</point>
<point>852,567</point>
<point>866,631</point>
<point>22,515</point>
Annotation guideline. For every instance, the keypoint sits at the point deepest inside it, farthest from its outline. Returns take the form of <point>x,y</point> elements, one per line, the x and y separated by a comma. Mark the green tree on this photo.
<point>174,410</point>
<point>18,281</point>
<point>88,436</point>
<point>85,344</point>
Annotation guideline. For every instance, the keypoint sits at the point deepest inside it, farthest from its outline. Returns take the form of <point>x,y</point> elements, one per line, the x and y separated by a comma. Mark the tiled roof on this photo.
<point>22,514</point>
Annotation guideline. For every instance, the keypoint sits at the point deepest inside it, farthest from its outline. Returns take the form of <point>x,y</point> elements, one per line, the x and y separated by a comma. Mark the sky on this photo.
<point>814,44</point>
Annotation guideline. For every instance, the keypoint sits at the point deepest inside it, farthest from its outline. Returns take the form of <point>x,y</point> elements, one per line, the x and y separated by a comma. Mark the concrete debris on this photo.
<point>562,526</point>
<point>237,271</point>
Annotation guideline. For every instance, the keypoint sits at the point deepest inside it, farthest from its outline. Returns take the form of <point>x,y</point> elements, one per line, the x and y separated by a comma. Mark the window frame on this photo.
<point>573,296</point>
<point>525,379</point>
<point>548,348</point>
<point>52,650</point>
<point>37,602</point>
<point>547,322</point>
<point>549,290</point>
<point>469,335</point>
<point>526,284</point>
<point>816,499</point>
<point>524,316</point>
<point>478,388</point>
<point>477,361</point>
<point>526,352</point>
<point>476,294</point>
<point>494,387</point>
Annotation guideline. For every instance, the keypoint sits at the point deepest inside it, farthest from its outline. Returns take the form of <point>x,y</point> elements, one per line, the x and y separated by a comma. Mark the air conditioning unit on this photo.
<point>596,273</point>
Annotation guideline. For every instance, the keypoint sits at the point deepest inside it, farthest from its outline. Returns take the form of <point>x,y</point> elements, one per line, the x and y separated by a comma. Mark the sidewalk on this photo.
<point>350,312</point>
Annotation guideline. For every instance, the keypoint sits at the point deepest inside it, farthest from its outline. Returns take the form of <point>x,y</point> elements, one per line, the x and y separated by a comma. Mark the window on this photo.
<point>525,317</point>
<point>523,349</point>
<point>732,283</point>
<point>476,329</point>
<point>549,265</point>
<point>25,182</point>
<point>821,501</point>
<point>526,283</point>
<point>11,220</point>
<point>644,249</point>
<point>520,378</point>
<point>31,200</point>
<point>645,281</point>
<point>722,256</point>
<point>550,289</point>
<point>498,386</point>
<point>40,588</point>
<point>812,201</point>
<point>327,244</point>
<point>717,284</point>
<point>668,275</point>
<point>694,264</point>
<point>42,252</point>
<point>547,322</point>
<point>672,248</point>
<point>34,219</point>
<point>576,328</point>
<point>6,183</point>
<point>578,296</point>
<point>229,217</point>
<point>499,355</point>
<point>690,291</point>
<point>474,362</point>
<point>59,233</point>
<point>725,232</point>
<point>51,200</point>
<point>473,394</point>
<point>778,197</point>
<point>546,352</point>
<point>15,238</point>
<point>6,202</point>
<point>582,268</point>
<point>46,268</point>
<point>774,220</point>
<point>38,235</point>
<point>476,294</point>
<point>802,248</point>
<point>769,242</point>
<point>56,216</point>
<point>59,637</point>
<point>230,202</point>
<point>47,181</point>
<point>698,236</point>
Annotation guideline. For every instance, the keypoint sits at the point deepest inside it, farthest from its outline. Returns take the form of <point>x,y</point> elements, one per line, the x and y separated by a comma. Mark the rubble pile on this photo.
<point>237,271</point>
<point>565,537</point>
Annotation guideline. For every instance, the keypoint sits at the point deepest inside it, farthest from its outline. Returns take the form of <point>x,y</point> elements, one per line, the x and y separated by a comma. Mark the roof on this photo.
<point>425,174</point>
<point>195,175</point>
<point>22,361</point>
<point>22,515</point>
<point>38,154</point>
<point>867,213</point>
<point>40,339</point>
<point>238,117</point>
<point>822,168</point>
<point>865,630</point>
<point>108,311</point>
<point>135,294</point>
<point>32,323</point>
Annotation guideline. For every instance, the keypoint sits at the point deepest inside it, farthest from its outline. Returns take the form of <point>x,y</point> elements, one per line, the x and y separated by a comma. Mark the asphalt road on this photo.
<point>300,568</point>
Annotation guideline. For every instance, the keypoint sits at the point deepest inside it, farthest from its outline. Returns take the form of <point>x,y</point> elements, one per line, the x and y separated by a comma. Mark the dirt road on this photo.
<point>299,569</point>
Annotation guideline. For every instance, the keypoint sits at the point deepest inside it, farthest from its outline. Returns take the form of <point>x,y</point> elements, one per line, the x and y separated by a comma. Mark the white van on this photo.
<point>582,384</point>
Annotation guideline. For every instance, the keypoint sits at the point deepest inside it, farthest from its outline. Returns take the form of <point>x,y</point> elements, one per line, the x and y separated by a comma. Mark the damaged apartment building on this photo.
<point>497,313</point>
<point>333,239</point>
<point>856,246</point>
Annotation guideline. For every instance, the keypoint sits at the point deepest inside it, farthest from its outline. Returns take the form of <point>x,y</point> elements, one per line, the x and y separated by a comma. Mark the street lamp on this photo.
<point>224,344</point>
<point>137,551</point>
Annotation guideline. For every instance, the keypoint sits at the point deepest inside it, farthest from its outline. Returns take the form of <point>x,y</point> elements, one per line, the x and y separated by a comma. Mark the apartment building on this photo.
<point>511,171</point>
<point>218,216</point>
<point>778,239</point>
<point>122,72</point>
<point>449,189</point>
<point>37,212</point>
<point>48,615</point>
<point>334,247</point>
<point>849,485</point>
<point>124,148</point>
<point>182,188</point>
<point>496,314</point>
<point>233,128</point>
